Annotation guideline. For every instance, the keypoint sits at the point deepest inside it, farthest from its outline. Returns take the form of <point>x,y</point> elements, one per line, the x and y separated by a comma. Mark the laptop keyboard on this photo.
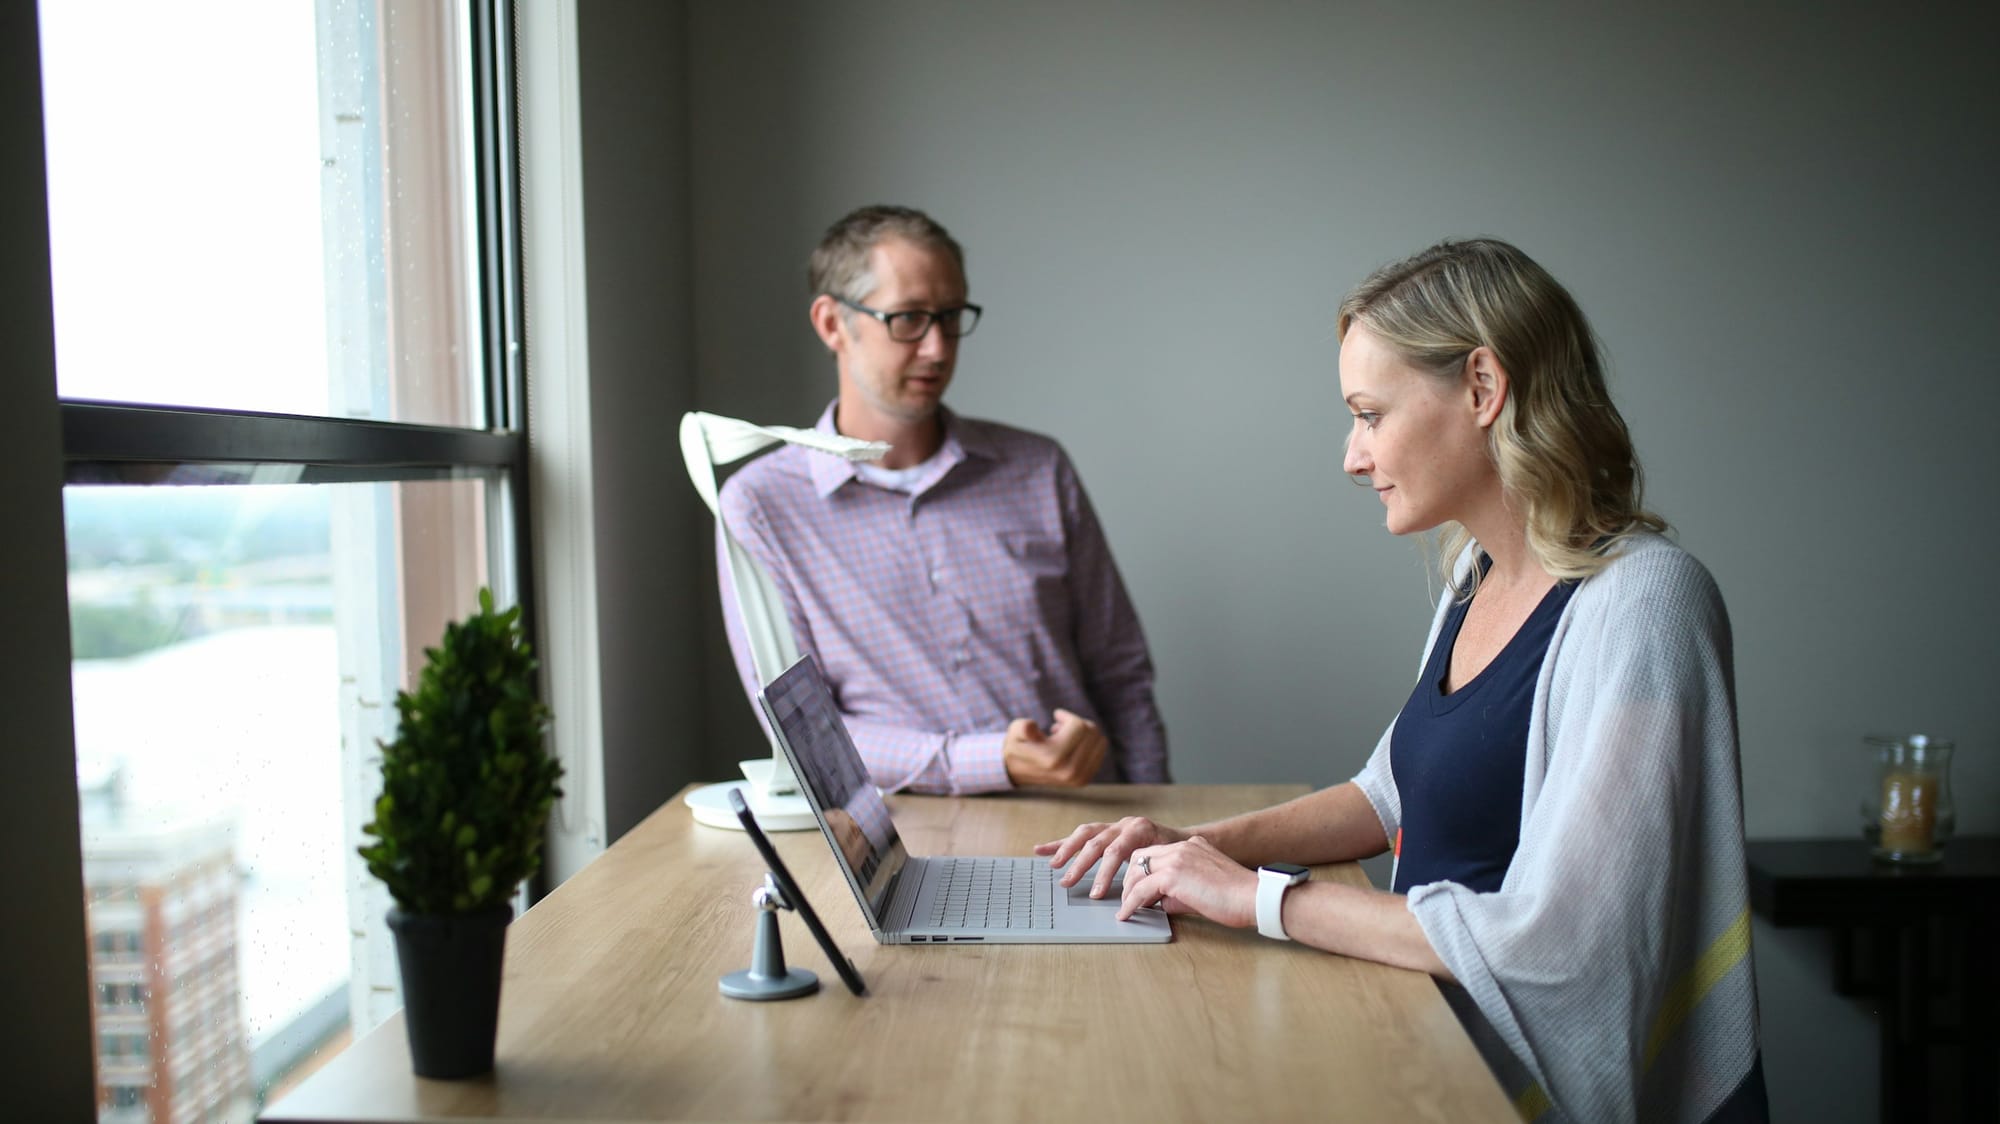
<point>994,893</point>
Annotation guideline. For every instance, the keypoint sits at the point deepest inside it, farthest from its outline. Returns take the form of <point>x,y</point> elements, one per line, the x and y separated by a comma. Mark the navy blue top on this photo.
<point>1458,758</point>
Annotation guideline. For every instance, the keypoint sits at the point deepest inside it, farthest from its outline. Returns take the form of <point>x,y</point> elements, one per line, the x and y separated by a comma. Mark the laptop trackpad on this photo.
<point>1079,894</point>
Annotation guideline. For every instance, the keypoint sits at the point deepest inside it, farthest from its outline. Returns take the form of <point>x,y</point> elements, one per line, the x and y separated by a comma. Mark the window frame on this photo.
<point>137,445</point>
<point>105,442</point>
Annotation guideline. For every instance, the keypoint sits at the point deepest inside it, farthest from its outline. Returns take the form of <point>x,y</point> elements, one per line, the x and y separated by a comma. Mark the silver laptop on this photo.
<point>939,900</point>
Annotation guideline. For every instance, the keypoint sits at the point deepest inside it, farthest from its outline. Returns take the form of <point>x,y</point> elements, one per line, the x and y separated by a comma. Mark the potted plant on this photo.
<point>466,793</point>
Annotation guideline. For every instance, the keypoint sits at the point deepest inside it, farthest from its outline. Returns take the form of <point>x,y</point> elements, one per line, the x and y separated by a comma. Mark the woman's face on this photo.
<point>1417,437</point>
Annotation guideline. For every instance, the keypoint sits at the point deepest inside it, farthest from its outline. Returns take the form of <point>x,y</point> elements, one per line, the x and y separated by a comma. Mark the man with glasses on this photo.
<point>959,595</point>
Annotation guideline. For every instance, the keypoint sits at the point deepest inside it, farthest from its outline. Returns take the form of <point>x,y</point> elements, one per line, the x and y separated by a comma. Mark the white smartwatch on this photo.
<point>1273,879</point>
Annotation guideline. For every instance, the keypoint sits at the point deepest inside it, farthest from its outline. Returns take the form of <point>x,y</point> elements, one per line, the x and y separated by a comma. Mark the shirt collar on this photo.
<point>961,440</point>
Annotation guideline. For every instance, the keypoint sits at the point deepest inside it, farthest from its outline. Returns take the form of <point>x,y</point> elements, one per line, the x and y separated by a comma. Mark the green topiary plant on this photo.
<point>466,784</point>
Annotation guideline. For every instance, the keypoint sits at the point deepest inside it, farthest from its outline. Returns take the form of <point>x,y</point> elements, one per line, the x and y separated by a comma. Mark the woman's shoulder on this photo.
<point>1652,564</point>
<point>1650,580</point>
<point>1652,619</point>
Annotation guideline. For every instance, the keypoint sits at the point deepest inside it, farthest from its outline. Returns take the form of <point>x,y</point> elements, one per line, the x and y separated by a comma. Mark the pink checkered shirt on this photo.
<point>939,616</point>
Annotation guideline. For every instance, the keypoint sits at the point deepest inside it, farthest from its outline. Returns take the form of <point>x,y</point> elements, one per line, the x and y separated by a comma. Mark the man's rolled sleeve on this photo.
<point>929,762</point>
<point>978,763</point>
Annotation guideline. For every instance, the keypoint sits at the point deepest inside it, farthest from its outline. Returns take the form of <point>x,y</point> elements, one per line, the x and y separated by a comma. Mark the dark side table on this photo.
<point>1922,940</point>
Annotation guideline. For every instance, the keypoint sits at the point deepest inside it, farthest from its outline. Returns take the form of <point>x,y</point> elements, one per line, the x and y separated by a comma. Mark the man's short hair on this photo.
<point>839,266</point>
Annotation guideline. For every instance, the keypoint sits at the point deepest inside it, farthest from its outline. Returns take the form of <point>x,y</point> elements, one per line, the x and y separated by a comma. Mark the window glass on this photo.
<point>263,205</point>
<point>266,206</point>
<point>236,651</point>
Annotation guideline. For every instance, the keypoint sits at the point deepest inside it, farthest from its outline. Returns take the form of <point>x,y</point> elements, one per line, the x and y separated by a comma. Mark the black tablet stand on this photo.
<point>767,977</point>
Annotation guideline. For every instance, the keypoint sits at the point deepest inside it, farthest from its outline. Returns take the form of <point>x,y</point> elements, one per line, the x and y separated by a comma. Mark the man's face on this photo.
<point>895,383</point>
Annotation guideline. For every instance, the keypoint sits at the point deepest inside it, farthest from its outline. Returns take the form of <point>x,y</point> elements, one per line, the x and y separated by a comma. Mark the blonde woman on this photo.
<point>1561,788</point>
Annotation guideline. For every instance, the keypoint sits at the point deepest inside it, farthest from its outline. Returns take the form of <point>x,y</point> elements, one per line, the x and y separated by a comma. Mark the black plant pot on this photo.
<point>451,987</point>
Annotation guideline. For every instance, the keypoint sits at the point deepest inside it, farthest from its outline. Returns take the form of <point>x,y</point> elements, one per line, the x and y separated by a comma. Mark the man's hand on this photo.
<point>1068,755</point>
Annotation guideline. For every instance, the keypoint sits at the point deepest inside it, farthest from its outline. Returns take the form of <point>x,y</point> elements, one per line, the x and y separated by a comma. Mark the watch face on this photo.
<point>1291,870</point>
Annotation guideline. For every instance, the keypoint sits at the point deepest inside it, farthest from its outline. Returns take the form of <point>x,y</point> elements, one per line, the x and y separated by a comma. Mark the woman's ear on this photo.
<point>1487,385</point>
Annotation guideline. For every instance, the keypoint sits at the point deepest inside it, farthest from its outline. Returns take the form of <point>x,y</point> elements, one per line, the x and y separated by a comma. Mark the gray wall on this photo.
<point>632,101</point>
<point>1778,216</point>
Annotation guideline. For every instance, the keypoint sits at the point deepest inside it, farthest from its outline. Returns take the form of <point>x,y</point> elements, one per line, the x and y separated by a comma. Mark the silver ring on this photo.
<point>1146,864</point>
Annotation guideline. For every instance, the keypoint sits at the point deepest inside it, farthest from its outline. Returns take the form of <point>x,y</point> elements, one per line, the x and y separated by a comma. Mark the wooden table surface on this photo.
<point>609,1008</point>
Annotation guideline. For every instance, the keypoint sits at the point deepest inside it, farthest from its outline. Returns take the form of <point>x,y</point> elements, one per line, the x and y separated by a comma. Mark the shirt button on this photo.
<point>937,577</point>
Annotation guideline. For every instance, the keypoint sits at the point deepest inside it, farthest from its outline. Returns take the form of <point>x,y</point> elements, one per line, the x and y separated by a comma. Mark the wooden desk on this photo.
<point>609,1008</point>
<point>1892,925</point>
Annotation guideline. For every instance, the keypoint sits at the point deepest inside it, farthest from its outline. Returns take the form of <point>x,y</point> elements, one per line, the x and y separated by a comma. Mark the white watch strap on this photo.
<point>1271,887</point>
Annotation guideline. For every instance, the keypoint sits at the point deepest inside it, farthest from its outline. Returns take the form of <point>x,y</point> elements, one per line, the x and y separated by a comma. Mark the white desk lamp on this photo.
<point>708,440</point>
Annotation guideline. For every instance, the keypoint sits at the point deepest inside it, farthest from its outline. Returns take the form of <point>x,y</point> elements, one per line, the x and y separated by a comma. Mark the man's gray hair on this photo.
<point>839,266</point>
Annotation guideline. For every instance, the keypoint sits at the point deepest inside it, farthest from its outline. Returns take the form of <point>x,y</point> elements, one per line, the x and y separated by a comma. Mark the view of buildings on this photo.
<point>212,808</point>
<point>164,914</point>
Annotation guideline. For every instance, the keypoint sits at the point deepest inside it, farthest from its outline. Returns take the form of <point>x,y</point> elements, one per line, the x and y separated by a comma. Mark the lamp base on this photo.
<point>710,805</point>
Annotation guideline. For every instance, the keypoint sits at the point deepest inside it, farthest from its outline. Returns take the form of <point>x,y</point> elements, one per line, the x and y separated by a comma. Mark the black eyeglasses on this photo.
<point>911,325</point>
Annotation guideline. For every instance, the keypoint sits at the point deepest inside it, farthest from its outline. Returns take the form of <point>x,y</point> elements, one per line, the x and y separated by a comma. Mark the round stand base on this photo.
<point>749,985</point>
<point>710,804</point>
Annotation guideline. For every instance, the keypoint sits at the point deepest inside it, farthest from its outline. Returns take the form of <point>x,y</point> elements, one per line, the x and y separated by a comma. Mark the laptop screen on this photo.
<point>850,810</point>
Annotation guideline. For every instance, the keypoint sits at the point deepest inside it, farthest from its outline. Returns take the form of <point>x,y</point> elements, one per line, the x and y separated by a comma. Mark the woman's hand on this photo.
<point>1105,845</point>
<point>1191,877</point>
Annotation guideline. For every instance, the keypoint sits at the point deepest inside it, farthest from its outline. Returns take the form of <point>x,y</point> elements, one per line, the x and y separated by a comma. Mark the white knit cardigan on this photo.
<point>1609,977</point>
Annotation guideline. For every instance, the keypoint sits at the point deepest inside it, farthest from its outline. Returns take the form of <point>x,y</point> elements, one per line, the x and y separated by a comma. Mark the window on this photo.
<point>287,333</point>
<point>118,947</point>
<point>121,998</point>
<point>123,1049</point>
<point>303,225</point>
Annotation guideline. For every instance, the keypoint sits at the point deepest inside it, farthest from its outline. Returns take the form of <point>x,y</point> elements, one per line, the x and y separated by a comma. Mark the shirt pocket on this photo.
<point>1031,588</point>
<point>1034,552</point>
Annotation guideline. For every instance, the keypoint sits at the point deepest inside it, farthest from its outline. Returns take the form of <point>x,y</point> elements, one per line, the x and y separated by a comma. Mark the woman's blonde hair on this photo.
<point>1564,455</point>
